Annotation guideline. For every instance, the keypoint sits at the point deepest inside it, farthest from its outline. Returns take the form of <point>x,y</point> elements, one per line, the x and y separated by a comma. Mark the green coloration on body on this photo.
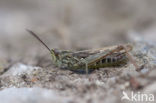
<point>78,61</point>
<point>88,60</point>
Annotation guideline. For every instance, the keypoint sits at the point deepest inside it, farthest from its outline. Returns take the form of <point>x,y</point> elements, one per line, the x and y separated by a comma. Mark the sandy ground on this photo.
<point>26,69</point>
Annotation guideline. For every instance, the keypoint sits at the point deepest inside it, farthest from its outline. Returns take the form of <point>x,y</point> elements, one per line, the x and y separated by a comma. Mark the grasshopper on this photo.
<point>89,60</point>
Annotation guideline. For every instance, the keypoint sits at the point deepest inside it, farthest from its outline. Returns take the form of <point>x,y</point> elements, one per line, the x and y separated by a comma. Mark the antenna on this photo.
<point>32,33</point>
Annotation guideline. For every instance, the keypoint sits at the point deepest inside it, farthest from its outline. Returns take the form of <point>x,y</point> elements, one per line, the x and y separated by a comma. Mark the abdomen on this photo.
<point>116,59</point>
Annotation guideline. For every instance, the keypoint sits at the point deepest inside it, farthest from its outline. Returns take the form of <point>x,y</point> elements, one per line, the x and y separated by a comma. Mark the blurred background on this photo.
<point>72,25</point>
<point>75,24</point>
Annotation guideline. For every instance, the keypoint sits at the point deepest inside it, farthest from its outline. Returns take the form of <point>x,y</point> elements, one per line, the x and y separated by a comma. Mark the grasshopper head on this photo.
<point>54,56</point>
<point>58,56</point>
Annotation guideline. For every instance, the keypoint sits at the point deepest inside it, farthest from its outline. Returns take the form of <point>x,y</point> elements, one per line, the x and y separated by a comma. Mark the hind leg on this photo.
<point>130,57</point>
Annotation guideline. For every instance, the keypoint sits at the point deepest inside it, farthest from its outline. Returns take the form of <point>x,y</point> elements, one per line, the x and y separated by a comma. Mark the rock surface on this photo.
<point>31,95</point>
<point>27,74</point>
<point>49,84</point>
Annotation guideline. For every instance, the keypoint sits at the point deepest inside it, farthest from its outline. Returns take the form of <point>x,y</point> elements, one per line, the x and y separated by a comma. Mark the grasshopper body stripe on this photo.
<point>110,61</point>
<point>89,59</point>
